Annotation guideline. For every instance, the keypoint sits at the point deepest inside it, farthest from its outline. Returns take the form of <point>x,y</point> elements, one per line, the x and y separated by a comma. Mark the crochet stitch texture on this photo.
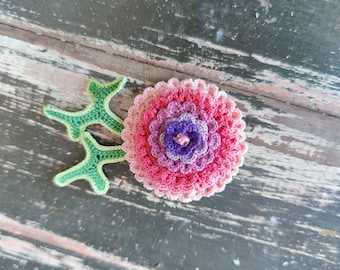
<point>183,139</point>
<point>201,113</point>
<point>91,168</point>
<point>97,112</point>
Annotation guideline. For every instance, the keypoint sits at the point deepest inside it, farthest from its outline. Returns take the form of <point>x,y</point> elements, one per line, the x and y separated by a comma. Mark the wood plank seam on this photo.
<point>245,87</point>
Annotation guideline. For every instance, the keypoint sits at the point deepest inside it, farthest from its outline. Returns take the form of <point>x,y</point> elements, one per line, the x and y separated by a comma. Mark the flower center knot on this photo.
<point>182,139</point>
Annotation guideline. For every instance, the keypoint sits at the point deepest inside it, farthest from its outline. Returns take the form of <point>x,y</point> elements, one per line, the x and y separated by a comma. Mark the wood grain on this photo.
<point>280,212</point>
<point>254,62</point>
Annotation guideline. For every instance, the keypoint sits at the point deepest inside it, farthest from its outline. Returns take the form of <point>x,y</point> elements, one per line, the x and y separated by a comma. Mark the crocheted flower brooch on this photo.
<point>183,139</point>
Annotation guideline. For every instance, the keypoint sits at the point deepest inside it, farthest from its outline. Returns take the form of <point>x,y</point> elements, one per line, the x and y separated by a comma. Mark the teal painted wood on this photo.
<point>290,44</point>
<point>294,32</point>
<point>281,212</point>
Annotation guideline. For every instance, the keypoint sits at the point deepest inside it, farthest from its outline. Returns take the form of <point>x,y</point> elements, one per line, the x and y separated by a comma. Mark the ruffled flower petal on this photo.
<point>184,139</point>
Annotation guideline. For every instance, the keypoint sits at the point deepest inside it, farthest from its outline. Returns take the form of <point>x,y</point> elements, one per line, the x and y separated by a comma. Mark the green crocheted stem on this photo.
<point>91,168</point>
<point>97,112</point>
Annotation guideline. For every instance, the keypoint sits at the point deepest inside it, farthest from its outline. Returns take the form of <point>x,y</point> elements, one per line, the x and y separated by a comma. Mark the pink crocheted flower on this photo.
<point>184,139</point>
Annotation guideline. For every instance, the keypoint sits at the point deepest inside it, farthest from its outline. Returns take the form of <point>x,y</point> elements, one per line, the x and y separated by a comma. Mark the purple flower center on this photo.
<point>178,131</point>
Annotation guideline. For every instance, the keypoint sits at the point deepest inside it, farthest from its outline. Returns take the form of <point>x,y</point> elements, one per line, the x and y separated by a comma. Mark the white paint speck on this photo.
<point>274,221</point>
<point>265,250</point>
<point>285,264</point>
<point>219,34</point>
<point>237,262</point>
<point>160,37</point>
<point>223,250</point>
<point>184,224</point>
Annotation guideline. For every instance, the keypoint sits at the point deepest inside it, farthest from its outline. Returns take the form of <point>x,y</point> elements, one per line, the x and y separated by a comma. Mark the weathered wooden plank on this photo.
<point>282,209</point>
<point>263,27</point>
<point>48,255</point>
<point>275,50</point>
<point>297,123</point>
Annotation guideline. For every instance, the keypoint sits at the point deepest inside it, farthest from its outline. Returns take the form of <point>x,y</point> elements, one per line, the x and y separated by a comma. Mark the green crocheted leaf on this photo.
<point>97,112</point>
<point>91,168</point>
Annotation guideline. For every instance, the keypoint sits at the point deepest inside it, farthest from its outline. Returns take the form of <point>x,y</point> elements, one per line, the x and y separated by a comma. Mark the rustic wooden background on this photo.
<point>279,60</point>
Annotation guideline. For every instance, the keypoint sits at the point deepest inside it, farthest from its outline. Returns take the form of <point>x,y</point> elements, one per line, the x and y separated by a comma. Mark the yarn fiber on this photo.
<point>184,139</point>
